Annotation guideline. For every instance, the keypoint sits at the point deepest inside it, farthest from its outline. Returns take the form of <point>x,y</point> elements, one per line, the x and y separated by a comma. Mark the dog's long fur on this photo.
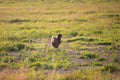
<point>55,41</point>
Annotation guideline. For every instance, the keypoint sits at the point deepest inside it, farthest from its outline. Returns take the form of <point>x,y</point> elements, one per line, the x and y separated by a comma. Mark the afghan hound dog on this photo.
<point>56,40</point>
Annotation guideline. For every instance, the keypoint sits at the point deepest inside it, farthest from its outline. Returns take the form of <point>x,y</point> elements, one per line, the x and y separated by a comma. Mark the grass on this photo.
<point>91,39</point>
<point>77,75</point>
<point>11,46</point>
<point>111,68</point>
<point>101,59</point>
<point>88,55</point>
<point>116,59</point>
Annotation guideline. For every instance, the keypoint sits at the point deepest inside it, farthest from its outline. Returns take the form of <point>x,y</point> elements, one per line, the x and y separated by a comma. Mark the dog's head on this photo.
<point>59,36</point>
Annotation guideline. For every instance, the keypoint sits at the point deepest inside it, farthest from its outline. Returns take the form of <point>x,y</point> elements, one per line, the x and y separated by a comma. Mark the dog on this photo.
<point>55,41</point>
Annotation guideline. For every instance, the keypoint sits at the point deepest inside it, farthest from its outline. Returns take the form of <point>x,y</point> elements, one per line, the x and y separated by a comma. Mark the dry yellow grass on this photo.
<point>7,74</point>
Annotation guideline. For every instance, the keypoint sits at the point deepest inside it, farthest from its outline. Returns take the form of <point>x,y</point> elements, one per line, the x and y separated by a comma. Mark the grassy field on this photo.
<point>90,48</point>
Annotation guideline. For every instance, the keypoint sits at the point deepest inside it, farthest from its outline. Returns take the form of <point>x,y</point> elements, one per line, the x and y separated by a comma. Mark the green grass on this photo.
<point>11,46</point>
<point>88,55</point>
<point>91,39</point>
<point>110,68</point>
